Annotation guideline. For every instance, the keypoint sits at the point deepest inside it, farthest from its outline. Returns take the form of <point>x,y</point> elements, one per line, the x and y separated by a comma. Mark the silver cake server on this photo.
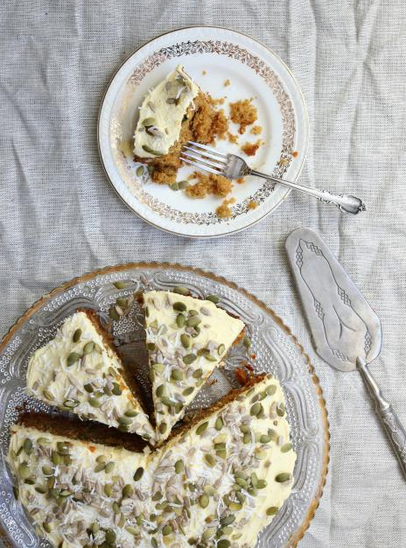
<point>346,331</point>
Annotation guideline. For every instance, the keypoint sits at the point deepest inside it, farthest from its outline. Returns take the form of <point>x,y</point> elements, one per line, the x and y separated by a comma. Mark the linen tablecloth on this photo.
<point>60,218</point>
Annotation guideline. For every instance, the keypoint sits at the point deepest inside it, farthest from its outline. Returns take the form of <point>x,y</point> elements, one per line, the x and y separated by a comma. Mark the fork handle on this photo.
<point>344,202</point>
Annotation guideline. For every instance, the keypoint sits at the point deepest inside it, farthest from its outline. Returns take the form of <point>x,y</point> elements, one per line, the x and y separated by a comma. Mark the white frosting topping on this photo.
<point>161,114</point>
<point>222,479</point>
<point>187,339</point>
<point>84,376</point>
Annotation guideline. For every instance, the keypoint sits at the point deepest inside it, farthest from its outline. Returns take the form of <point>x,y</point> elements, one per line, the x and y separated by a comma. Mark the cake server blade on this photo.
<point>346,331</point>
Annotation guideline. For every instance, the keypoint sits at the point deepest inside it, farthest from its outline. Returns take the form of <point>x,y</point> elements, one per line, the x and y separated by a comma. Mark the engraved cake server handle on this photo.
<point>385,412</point>
<point>232,167</point>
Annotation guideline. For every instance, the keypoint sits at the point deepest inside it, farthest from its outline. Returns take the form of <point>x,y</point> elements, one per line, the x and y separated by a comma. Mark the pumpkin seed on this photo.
<point>285,448</point>
<point>256,409</point>
<point>190,358</point>
<point>204,501</point>
<point>71,404</point>
<point>247,438</point>
<point>131,413</point>
<point>167,401</point>
<point>193,312</point>
<point>219,423</point>
<point>280,410</point>
<point>228,520</point>
<point>51,482</point>
<point>198,373</point>
<point>234,506</point>
<point>202,428</point>
<point>94,402</point>
<point>109,467</point>
<point>56,458</point>
<point>154,542</point>
<point>100,467</point>
<point>261,484</point>
<point>72,358</point>
<point>151,346</point>
<point>151,150</point>
<point>114,315</point>
<point>180,320</point>
<point>158,367</point>
<point>188,391</point>
<point>270,390</point>
<point>132,530</point>
<point>41,489</point>
<point>174,186</point>
<point>181,290</point>
<point>241,482</point>
<point>179,306</point>
<point>162,427</point>
<point>223,543</point>
<point>272,510</point>
<point>27,445</point>
<point>282,477</point>
<point>213,298</point>
<point>139,171</point>
<point>265,439</point>
<point>117,390</point>
<point>260,454</point>
<point>116,507</point>
<point>209,490</point>
<point>139,473</point>
<point>24,470</point>
<point>246,342</point>
<point>120,284</point>
<point>158,495</point>
<point>127,491</point>
<point>43,441</point>
<point>110,536</point>
<point>88,387</point>
<point>185,340</point>
<point>124,420</point>
<point>167,530</point>
<point>194,321</point>
<point>210,460</point>
<point>108,489</point>
<point>179,466</point>
<point>209,533</point>
<point>76,336</point>
<point>273,434</point>
<point>122,302</point>
<point>177,375</point>
<point>88,348</point>
<point>47,527</point>
<point>47,470</point>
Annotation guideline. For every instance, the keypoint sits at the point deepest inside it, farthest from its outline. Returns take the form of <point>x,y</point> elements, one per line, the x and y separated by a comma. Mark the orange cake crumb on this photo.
<point>227,82</point>
<point>240,180</point>
<point>252,204</point>
<point>224,211</point>
<point>232,138</point>
<point>209,184</point>
<point>250,149</point>
<point>256,130</point>
<point>295,154</point>
<point>243,113</point>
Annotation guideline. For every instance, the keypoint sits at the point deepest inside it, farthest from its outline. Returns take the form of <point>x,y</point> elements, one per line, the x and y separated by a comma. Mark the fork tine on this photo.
<point>203,159</point>
<point>206,154</point>
<point>209,149</point>
<point>201,166</point>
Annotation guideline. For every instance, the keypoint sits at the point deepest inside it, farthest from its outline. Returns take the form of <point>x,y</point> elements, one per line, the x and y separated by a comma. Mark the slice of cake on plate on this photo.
<point>187,339</point>
<point>79,371</point>
<point>174,112</point>
<point>218,482</point>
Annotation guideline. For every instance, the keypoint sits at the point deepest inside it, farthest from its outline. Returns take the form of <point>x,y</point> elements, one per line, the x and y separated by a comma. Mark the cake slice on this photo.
<point>79,371</point>
<point>161,114</point>
<point>187,339</point>
<point>218,482</point>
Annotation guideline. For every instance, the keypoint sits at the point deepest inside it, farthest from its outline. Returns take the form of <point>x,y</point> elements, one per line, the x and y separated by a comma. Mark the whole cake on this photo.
<point>220,477</point>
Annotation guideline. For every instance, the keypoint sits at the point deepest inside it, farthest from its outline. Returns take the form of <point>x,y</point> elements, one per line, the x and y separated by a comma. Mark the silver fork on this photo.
<point>234,167</point>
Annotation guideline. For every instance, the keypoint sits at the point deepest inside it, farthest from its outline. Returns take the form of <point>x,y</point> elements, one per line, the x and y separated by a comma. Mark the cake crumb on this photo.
<point>209,184</point>
<point>243,113</point>
<point>224,211</point>
<point>295,154</point>
<point>227,83</point>
<point>240,180</point>
<point>232,138</point>
<point>256,130</point>
<point>250,149</point>
<point>252,204</point>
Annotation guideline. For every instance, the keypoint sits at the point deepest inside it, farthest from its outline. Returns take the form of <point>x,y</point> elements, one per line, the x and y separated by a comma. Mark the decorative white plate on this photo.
<point>211,56</point>
<point>276,351</point>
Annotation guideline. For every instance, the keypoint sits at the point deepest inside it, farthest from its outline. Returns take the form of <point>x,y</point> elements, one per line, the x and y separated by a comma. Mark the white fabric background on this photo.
<point>60,218</point>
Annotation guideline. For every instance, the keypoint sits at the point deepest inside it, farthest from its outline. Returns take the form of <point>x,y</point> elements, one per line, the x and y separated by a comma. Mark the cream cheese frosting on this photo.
<point>216,484</point>
<point>161,114</point>
<point>187,339</point>
<point>78,372</point>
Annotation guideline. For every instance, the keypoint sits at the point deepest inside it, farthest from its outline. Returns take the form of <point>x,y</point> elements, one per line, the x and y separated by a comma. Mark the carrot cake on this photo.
<point>218,482</point>
<point>187,339</point>
<point>173,113</point>
<point>78,371</point>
